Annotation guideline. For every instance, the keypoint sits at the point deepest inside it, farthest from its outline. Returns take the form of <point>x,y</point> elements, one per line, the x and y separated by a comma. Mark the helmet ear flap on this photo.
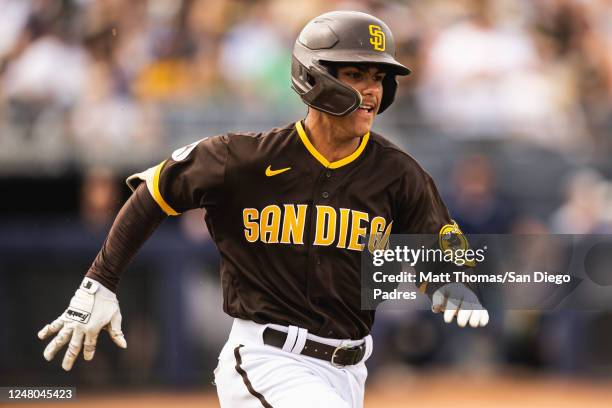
<point>301,80</point>
<point>389,88</point>
<point>320,90</point>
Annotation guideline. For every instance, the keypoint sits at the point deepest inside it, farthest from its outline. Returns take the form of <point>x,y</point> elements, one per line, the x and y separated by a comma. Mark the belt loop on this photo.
<point>260,333</point>
<point>291,338</point>
<point>301,341</point>
<point>369,347</point>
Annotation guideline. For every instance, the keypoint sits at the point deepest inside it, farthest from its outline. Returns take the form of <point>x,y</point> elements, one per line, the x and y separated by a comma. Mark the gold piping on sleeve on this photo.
<point>332,165</point>
<point>157,195</point>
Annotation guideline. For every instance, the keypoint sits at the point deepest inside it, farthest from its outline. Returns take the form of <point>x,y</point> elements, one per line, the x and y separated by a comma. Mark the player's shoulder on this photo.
<point>386,146</point>
<point>252,148</point>
<point>243,145</point>
<point>397,159</point>
<point>256,138</point>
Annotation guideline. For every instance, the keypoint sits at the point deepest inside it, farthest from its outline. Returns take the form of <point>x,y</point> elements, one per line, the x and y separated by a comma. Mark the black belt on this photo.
<point>338,356</point>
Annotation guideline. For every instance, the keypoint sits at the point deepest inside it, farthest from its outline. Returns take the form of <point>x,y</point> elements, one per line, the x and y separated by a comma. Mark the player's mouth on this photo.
<point>367,107</point>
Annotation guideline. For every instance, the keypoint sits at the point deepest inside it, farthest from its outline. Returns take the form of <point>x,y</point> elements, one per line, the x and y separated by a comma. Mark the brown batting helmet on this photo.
<point>342,37</point>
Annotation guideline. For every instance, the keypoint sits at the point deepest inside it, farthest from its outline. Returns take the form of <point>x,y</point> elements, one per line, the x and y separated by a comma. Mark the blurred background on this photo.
<point>509,107</point>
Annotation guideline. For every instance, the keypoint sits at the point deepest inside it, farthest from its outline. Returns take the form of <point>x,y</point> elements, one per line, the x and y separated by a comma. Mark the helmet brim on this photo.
<point>349,56</point>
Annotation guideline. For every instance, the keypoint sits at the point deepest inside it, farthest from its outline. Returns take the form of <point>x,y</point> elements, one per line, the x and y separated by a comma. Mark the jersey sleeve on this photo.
<point>192,177</point>
<point>421,209</point>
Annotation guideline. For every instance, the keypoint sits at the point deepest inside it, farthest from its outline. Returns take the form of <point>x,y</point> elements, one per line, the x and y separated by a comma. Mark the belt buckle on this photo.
<point>345,347</point>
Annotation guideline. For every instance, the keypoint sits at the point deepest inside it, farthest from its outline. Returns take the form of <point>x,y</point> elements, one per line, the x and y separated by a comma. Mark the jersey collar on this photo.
<point>332,165</point>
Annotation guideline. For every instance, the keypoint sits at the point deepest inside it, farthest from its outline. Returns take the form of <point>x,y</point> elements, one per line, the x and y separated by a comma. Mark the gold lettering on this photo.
<point>379,236</point>
<point>251,226</point>
<point>326,225</point>
<point>344,226</point>
<point>270,224</point>
<point>357,231</point>
<point>377,37</point>
<point>293,224</point>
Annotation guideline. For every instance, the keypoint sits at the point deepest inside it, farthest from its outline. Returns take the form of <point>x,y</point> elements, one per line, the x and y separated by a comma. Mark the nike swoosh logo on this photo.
<point>270,172</point>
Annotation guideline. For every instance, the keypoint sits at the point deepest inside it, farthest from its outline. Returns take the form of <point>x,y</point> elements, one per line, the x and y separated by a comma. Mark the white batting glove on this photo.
<point>456,299</point>
<point>92,308</point>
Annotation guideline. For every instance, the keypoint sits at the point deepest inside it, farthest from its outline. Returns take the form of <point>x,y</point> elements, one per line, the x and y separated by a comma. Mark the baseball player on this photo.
<point>291,211</point>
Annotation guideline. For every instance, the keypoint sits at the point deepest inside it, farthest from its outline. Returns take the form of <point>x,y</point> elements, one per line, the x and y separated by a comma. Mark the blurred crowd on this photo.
<point>90,78</point>
<point>509,107</point>
<point>121,84</point>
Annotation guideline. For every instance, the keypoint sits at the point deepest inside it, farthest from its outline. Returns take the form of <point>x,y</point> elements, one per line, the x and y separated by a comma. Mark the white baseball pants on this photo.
<point>252,374</point>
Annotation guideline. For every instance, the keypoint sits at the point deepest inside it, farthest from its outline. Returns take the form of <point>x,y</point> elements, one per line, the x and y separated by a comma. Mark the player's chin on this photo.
<point>363,126</point>
<point>362,123</point>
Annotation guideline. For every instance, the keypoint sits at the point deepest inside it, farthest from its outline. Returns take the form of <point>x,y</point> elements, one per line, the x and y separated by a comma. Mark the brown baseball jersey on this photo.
<point>290,226</point>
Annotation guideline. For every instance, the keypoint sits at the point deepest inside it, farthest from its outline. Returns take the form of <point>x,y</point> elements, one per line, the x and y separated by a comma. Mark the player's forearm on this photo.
<point>134,224</point>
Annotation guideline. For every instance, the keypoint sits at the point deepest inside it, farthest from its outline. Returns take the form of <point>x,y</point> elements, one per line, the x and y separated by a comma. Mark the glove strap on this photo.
<point>90,286</point>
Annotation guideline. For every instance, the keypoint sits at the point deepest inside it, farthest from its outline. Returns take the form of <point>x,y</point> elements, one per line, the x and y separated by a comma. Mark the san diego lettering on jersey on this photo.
<point>342,228</point>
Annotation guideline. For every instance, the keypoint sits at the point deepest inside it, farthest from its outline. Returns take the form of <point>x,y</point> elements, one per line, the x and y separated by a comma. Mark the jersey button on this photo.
<point>325,194</point>
<point>328,174</point>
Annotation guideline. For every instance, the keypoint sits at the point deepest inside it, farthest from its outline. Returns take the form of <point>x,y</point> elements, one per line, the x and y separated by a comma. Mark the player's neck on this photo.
<point>329,138</point>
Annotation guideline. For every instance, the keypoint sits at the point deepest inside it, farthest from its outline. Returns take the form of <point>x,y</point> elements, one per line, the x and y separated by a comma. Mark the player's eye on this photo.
<point>379,77</point>
<point>356,75</point>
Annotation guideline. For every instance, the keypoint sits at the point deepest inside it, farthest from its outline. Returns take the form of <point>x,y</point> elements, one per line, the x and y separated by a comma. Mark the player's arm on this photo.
<point>134,224</point>
<point>425,213</point>
<point>94,305</point>
<point>192,177</point>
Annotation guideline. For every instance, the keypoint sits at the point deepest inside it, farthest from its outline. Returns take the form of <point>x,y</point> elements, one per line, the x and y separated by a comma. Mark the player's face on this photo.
<point>367,80</point>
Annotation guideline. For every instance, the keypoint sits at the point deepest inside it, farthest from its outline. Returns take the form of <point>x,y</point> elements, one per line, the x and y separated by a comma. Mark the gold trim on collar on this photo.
<point>332,165</point>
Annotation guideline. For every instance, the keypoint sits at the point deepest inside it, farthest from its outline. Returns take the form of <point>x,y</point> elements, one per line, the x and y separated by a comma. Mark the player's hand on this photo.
<point>92,308</point>
<point>456,299</point>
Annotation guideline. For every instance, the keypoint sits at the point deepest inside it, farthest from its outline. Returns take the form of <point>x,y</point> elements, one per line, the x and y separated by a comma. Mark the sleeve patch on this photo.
<point>451,238</point>
<point>183,152</point>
